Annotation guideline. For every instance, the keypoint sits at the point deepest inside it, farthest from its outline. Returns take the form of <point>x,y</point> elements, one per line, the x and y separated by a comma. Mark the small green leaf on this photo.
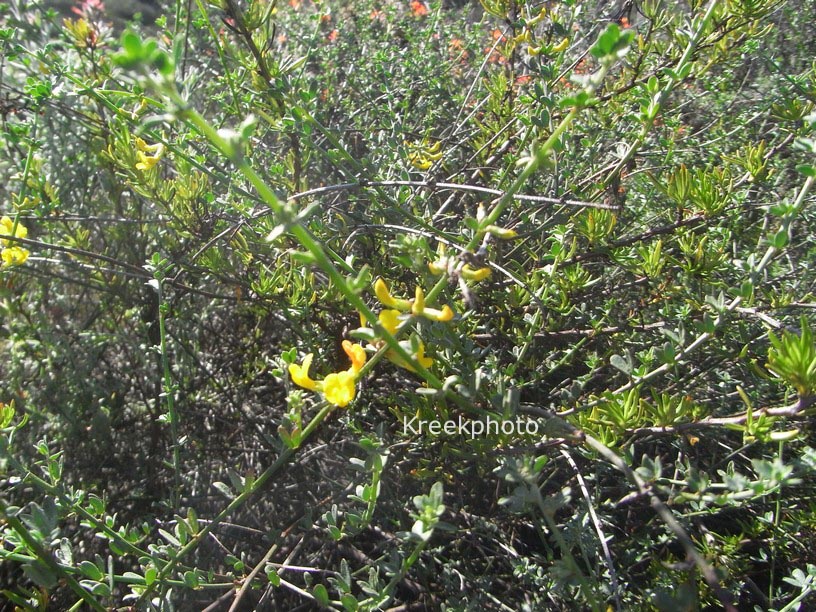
<point>272,576</point>
<point>624,364</point>
<point>321,595</point>
<point>6,414</point>
<point>191,579</point>
<point>91,570</point>
<point>169,537</point>
<point>780,239</point>
<point>39,573</point>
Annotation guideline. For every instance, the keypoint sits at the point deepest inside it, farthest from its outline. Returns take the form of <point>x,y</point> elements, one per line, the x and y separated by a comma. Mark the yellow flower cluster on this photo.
<point>390,320</point>
<point>446,264</point>
<point>422,155</point>
<point>416,306</point>
<point>146,162</point>
<point>338,387</point>
<point>12,253</point>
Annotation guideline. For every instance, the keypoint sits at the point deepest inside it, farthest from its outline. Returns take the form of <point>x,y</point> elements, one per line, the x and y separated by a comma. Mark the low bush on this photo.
<point>408,305</point>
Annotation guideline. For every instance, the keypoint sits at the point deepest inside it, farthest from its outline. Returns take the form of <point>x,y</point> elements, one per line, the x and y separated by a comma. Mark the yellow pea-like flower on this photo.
<point>146,162</point>
<point>14,256</point>
<point>421,358</point>
<point>12,253</point>
<point>561,46</point>
<point>389,319</point>
<point>434,314</point>
<point>356,353</point>
<point>469,273</point>
<point>339,388</point>
<point>384,295</point>
<point>300,373</point>
<point>418,307</point>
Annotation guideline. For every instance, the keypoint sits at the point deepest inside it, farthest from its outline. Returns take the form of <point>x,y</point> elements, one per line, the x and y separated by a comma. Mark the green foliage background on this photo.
<point>211,197</point>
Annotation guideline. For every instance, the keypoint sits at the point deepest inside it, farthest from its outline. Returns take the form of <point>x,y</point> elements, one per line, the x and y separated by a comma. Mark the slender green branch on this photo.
<point>42,555</point>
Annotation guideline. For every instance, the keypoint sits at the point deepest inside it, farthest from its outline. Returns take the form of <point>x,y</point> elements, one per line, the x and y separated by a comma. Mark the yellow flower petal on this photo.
<point>300,373</point>
<point>501,233</point>
<point>469,273</point>
<point>145,161</point>
<point>446,314</point>
<point>425,362</point>
<point>418,307</point>
<point>339,389</point>
<point>356,353</point>
<point>389,319</point>
<point>14,256</point>
<point>561,46</point>
<point>141,145</point>
<point>438,267</point>
<point>7,227</point>
<point>384,295</point>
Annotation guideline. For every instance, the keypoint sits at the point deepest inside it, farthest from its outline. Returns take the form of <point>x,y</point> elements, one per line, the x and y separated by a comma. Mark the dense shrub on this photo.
<point>436,305</point>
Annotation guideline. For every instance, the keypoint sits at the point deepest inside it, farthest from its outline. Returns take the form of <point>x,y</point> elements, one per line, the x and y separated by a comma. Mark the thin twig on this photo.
<point>613,576</point>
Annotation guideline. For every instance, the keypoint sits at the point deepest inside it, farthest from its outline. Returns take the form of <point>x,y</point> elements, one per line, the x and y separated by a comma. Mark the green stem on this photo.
<point>239,501</point>
<point>167,385</point>
<point>301,234</point>
<point>673,81</point>
<point>50,489</point>
<point>202,7</point>
<point>404,569</point>
<point>42,555</point>
<point>586,588</point>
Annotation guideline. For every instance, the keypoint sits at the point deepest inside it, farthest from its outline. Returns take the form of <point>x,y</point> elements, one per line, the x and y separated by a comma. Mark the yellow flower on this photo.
<point>300,374</point>
<point>7,227</point>
<point>419,162</point>
<point>425,362</point>
<point>440,266</point>
<point>424,154</point>
<point>469,273</point>
<point>444,315</point>
<point>416,306</point>
<point>561,46</point>
<point>384,295</point>
<point>356,353</point>
<point>146,162</point>
<point>14,256</point>
<point>501,233</point>
<point>339,389</point>
<point>389,319</point>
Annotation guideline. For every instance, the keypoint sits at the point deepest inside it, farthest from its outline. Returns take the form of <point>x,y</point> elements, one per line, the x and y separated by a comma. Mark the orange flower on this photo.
<point>495,54</point>
<point>333,35</point>
<point>456,48</point>
<point>418,8</point>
